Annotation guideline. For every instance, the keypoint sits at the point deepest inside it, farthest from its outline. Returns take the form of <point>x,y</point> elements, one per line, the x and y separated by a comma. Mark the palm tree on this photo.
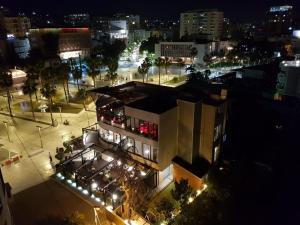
<point>30,87</point>
<point>159,62</point>
<point>194,53</point>
<point>77,75</point>
<point>62,75</point>
<point>6,83</point>
<point>180,64</point>
<point>112,67</point>
<point>144,68</point>
<point>167,64</point>
<point>93,64</point>
<point>34,73</point>
<point>48,91</point>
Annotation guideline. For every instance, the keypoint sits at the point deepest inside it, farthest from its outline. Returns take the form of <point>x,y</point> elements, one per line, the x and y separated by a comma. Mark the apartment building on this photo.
<point>202,22</point>
<point>72,42</point>
<point>157,124</point>
<point>17,26</point>
<point>5,215</point>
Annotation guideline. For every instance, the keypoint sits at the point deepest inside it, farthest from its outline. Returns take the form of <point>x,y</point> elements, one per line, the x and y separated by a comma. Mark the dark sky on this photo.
<point>242,10</point>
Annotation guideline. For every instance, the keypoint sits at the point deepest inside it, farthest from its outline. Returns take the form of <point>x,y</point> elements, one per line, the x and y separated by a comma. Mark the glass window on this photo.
<point>146,151</point>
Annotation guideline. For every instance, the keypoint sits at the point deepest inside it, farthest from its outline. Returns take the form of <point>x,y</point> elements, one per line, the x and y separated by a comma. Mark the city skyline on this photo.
<point>232,9</point>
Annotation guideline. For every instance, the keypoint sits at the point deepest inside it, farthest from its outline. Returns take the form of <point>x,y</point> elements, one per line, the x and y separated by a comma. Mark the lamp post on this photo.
<point>87,114</point>
<point>7,131</point>
<point>60,114</point>
<point>39,128</point>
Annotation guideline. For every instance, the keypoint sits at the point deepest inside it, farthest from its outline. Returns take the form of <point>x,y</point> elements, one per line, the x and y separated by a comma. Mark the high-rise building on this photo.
<point>202,22</point>
<point>279,20</point>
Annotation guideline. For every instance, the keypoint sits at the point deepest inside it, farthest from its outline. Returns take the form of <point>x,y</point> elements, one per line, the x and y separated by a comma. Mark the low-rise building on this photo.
<point>288,79</point>
<point>159,124</point>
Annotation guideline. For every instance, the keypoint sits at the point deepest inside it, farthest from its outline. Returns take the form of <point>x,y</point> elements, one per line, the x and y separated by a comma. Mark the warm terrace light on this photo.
<point>191,199</point>
<point>143,173</point>
<point>115,197</point>
<point>130,168</point>
<point>94,185</point>
<point>85,192</point>
<point>119,163</point>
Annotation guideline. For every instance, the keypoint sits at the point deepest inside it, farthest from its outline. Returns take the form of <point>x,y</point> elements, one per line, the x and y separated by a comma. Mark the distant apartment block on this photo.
<point>17,26</point>
<point>202,22</point>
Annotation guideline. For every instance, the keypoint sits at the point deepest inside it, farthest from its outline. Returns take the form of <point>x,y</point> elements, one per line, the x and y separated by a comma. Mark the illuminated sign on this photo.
<point>281,8</point>
<point>70,54</point>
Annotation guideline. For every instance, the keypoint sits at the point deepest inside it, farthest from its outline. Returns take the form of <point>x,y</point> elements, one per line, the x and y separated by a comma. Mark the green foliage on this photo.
<point>182,191</point>
<point>74,219</point>
<point>149,45</point>
<point>165,208</point>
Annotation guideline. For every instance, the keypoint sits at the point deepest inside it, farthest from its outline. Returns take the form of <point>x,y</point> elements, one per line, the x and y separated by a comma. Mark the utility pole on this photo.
<point>60,114</point>
<point>7,130</point>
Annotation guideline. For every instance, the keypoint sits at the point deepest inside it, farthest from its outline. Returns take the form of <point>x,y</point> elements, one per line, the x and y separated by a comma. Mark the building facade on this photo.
<point>288,80</point>
<point>175,50</point>
<point>155,130</point>
<point>202,22</point>
<point>17,26</point>
<point>72,42</point>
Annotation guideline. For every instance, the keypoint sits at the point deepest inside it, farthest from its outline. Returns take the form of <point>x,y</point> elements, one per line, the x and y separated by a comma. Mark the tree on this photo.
<point>182,191</point>
<point>82,94</point>
<point>77,75</point>
<point>73,219</point>
<point>165,208</point>
<point>48,91</point>
<point>112,67</point>
<point>6,83</point>
<point>167,64</point>
<point>93,65</point>
<point>194,53</point>
<point>144,68</point>
<point>62,76</point>
<point>29,88</point>
<point>149,45</point>
<point>159,62</point>
<point>180,64</point>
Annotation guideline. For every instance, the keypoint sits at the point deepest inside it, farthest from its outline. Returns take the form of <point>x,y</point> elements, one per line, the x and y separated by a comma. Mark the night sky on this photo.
<point>240,10</point>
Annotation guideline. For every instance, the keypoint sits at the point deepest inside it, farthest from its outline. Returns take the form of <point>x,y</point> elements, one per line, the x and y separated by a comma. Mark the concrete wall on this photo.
<point>181,173</point>
<point>207,132</point>
<point>168,135</point>
<point>185,130</point>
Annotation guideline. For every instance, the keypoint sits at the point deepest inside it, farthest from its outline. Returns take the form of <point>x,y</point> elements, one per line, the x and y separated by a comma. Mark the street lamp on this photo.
<point>7,131</point>
<point>60,114</point>
<point>39,128</point>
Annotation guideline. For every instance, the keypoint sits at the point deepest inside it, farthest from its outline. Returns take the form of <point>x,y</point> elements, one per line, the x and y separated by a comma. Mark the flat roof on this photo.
<point>155,104</point>
<point>158,99</point>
